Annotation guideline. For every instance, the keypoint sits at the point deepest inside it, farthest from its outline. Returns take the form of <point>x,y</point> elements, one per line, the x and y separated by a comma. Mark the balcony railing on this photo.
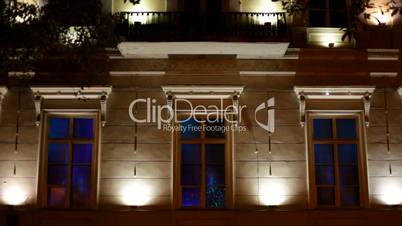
<point>138,26</point>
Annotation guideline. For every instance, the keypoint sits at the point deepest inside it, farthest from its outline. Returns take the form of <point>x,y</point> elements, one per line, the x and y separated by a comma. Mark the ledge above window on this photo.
<point>305,93</point>
<point>100,93</point>
<point>203,92</point>
<point>341,93</point>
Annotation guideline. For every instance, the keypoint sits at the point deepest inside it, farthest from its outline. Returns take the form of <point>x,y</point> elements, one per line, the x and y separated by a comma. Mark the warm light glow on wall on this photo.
<point>381,18</point>
<point>14,195</point>
<point>272,194</point>
<point>391,194</point>
<point>144,6</point>
<point>136,194</point>
<point>327,37</point>
<point>261,6</point>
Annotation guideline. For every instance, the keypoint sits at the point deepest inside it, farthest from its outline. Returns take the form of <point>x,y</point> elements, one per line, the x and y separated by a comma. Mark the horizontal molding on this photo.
<point>383,74</point>
<point>267,73</point>
<point>137,73</point>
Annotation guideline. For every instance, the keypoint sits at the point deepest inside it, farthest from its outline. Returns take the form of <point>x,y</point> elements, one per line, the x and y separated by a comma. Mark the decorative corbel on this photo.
<point>235,102</point>
<point>3,91</point>
<point>38,107</point>
<point>366,104</point>
<point>302,109</point>
<point>103,101</point>
<point>169,99</point>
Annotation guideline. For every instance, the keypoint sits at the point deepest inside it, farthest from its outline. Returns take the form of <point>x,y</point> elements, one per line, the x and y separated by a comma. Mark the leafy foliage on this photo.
<point>75,29</point>
<point>358,9</point>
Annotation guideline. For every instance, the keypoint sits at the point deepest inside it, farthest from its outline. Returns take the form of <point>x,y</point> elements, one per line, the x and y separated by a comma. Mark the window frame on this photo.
<point>43,169</point>
<point>177,187</point>
<point>328,11</point>
<point>362,158</point>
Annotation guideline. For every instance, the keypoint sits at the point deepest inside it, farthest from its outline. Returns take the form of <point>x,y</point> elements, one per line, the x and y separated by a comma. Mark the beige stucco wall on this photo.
<point>153,159</point>
<point>144,6</point>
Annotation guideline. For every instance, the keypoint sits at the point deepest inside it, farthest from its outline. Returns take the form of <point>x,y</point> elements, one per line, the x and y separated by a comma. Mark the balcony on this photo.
<point>184,26</point>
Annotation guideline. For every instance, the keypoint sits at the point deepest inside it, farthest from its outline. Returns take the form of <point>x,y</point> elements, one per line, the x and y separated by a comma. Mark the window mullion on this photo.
<point>70,160</point>
<point>336,165</point>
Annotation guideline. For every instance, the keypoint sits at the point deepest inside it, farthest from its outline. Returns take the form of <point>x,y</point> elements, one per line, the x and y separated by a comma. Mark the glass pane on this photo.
<point>82,153</point>
<point>190,129</point>
<point>317,18</point>
<point>322,129</point>
<point>59,128</point>
<point>323,154</point>
<point>57,175</point>
<point>215,154</point>
<point>81,175</point>
<point>56,197</point>
<point>57,153</point>
<point>337,4</point>
<point>191,174</point>
<point>215,175</point>
<point>350,196</point>
<point>338,19</point>
<point>324,175</point>
<point>191,154</point>
<point>348,175</point>
<point>215,129</point>
<point>83,128</point>
<point>190,197</point>
<point>347,154</point>
<point>215,197</point>
<point>325,196</point>
<point>318,4</point>
<point>81,196</point>
<point>346,129</point>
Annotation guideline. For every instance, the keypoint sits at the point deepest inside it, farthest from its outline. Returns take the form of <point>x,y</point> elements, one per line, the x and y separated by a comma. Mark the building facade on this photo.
<point>290,127</point>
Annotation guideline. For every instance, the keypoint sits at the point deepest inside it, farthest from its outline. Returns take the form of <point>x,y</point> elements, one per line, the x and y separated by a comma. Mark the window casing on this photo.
<point>69,160</point>
<point>336,161</point>
<point>328,13</point>
<point>203,165</point>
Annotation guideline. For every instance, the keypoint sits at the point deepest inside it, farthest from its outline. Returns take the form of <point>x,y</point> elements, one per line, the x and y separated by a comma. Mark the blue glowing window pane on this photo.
<point>215,197</point>
<point>83,128</point>
<point>215,154</point>
<point>56,197</point>
<point>57,153</point>
<point>190,174</point>
<point>81,196</point>
<point>322,129</point>
<point>59,128</point>
<point>190,197</point>
<point>215,129</point>
<point>57,175</point>
<point>82,153</point>
<point>348,175</point>
<point>347,154</point>
<point>215,175</point>
<point>346,129</point>
<point>323,154</point>
<point>324,175</point>
<point>350,196</point>
<point>325,196</point>
<point>191,154</point>
<point>81,175</point>
<point>190,129</point>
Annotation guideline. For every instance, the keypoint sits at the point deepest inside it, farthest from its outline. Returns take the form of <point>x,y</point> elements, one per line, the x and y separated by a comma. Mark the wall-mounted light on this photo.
<point>135,195</point>
<point>272,194</point>
<point>14,196</point>
<point>392,195</point>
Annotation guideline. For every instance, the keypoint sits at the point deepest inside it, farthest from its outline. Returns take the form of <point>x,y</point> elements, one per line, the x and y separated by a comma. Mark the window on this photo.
<point>70,144</point>
<point>202,154</point>
<point>328,13</point>
<point>336,161</point>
